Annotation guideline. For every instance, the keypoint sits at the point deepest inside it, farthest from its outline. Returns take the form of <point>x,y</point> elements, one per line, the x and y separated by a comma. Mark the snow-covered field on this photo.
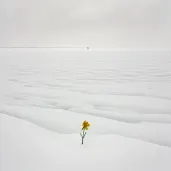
<point>45,95</point>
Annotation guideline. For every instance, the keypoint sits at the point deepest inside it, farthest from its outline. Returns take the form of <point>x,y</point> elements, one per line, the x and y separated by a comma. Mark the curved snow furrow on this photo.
<point>102,92</point>
<point>67,122</point>
<point>129,113</point>
<point>126,117</point>
<point>70,98</point>
<point>140,95</point>
<point>24,145</point>
<point>107,132</point>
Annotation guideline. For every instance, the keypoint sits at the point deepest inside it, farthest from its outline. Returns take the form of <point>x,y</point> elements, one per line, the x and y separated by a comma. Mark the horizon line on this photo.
<point>79,47</point>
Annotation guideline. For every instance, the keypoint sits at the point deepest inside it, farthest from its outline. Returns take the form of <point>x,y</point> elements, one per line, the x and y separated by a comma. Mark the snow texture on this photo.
<point>47,93</point>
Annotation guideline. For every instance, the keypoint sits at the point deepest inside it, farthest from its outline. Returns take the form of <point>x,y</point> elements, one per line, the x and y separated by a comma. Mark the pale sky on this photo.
<point>94,23</point>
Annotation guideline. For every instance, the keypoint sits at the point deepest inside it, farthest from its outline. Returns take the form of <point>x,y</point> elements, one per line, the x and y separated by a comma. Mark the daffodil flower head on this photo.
<point>85,125</point>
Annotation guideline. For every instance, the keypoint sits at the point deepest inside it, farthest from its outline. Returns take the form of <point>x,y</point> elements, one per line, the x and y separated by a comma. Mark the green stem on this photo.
<point>83,135</point>
<point>82,140</point>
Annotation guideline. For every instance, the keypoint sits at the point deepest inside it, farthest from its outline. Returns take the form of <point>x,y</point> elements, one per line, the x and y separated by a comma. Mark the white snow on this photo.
<point>47,93</point>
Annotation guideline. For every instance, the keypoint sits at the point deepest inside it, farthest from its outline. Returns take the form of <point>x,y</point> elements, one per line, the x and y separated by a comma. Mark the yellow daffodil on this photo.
<point>85,125</point>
